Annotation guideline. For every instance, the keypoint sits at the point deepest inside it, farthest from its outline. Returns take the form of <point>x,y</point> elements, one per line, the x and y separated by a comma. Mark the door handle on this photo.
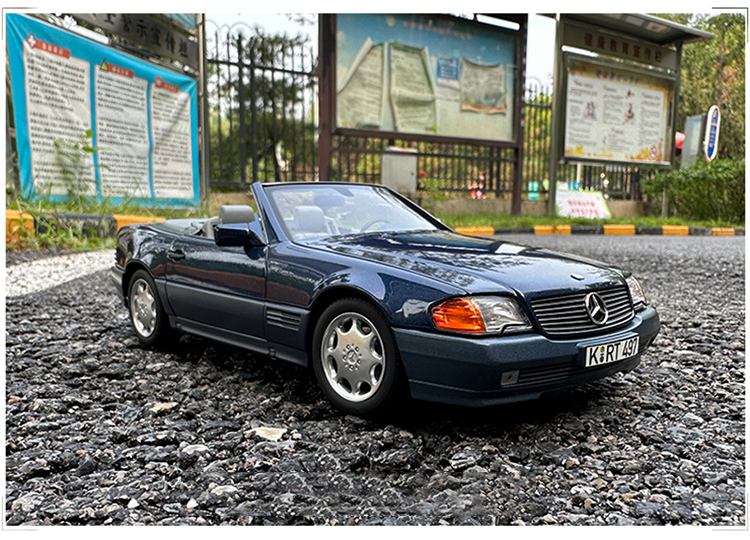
<point>176,255</point>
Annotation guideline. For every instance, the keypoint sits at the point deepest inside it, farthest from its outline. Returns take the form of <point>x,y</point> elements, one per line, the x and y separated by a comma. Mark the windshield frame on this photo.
<point>265,199</point>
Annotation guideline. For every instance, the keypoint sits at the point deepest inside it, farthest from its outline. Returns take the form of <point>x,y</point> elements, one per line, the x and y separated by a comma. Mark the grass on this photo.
<point>71,239</point>
<point>104,207</point>
<point>75,240</point>
<point>64,240</point>
<point>501,221</point>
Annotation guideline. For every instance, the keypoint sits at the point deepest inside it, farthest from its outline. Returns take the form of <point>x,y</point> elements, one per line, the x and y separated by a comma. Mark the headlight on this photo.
<point>480,315</point>
<point>636,292</point>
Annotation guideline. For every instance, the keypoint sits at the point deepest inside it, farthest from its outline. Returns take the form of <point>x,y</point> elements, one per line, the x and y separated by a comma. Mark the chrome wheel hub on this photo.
<point>353,357</point>
<point>143,308</point>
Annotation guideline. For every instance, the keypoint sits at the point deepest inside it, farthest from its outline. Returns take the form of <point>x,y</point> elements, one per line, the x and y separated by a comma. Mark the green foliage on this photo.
<point>95,206</point>
<point>706,191</point>
<point>537,133</point>
<point>431,187</point>
<point>713,73</point>
<point>60,233</point>
<point>66,238</point>
<point>77,170</point>
<point>75,161</point>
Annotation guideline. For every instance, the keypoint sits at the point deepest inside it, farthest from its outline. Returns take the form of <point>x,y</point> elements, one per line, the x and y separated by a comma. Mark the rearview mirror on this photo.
<point>236,234</point>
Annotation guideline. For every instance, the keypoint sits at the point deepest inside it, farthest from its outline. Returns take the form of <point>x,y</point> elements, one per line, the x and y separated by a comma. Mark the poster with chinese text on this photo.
<point>617,114</point>
<point>94,121</point>
<point>441,76</point>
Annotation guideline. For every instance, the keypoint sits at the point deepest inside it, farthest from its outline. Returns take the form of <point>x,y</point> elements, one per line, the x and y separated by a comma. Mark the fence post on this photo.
<point>326,64</point>
<point>204,133</point>
<point>241,91</point>
<point>520,103</point>
<point>253,113</point>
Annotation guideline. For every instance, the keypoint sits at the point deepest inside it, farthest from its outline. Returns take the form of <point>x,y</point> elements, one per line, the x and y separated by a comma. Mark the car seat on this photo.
<point>312,220</point>
<point>229,213</point>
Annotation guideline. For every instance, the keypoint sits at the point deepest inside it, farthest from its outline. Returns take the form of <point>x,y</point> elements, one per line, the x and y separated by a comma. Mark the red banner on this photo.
<point>166,86</point>
<point>47,47</point>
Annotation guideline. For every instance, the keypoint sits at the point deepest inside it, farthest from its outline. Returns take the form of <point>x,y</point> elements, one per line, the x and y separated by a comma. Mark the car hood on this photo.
<point>478,264</point>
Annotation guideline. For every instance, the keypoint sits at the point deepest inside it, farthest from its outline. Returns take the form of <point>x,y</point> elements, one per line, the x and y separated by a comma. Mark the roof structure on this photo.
<point>642,26</point>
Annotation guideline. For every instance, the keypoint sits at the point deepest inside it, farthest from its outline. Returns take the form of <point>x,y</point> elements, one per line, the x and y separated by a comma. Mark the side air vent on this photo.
<point>284,319</point>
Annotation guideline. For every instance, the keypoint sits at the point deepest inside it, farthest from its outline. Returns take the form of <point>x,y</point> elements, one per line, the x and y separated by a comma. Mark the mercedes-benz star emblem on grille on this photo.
<point>596,309</point>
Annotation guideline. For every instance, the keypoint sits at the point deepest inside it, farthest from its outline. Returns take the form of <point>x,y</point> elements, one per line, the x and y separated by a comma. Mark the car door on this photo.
<point>211,287</point>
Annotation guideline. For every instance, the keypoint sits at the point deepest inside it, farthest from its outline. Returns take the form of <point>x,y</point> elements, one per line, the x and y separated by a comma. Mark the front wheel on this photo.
<point>146,313</point>
<point>354,357</point>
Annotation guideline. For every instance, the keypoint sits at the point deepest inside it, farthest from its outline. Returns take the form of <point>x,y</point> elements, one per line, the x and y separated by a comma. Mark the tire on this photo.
<point>355,360</point>
<point>147,317</point>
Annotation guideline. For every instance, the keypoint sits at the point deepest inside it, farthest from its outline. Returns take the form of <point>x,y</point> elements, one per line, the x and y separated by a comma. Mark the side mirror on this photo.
<point>236,234</point>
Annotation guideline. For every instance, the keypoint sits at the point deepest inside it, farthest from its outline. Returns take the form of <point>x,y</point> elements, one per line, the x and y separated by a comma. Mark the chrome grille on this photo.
<point>566,315</point>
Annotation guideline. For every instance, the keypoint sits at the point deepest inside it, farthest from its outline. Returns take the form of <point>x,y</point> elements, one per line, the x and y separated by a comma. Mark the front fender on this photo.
<point>301,276</point>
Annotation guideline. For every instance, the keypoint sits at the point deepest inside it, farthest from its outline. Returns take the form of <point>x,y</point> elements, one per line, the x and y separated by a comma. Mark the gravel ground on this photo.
<point>25,274</point>
<point>100,431</point>
<point>20,256</point>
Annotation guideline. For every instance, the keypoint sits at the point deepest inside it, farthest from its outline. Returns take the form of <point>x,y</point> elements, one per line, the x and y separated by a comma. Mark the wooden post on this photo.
<point>326,78</point>
<point>675,108</point>
<point>558,105</point>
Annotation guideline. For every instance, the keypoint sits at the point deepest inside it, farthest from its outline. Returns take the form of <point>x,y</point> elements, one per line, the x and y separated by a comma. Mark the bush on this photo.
<point>713,191</point>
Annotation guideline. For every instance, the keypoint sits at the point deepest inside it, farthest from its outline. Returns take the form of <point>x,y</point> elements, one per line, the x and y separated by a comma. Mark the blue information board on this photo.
<point>98,122</point>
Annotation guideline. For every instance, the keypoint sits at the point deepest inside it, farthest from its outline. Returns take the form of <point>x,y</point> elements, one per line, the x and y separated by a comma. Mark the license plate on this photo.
<point>611,352</point>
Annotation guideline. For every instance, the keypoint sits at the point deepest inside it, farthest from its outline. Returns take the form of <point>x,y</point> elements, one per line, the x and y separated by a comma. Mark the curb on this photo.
<point>619,230</point>
<point>14,222</point>
<point>102,225</point>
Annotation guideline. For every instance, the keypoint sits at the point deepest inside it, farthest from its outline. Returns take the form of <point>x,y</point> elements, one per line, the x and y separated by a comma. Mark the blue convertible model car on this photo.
<point>372,292</point>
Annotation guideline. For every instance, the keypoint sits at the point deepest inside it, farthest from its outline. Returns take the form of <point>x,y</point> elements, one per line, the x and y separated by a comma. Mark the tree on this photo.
<point>713,73</point>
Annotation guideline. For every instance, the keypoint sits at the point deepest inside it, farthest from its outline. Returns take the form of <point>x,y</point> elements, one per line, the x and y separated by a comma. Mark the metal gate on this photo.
<point>262,93</point>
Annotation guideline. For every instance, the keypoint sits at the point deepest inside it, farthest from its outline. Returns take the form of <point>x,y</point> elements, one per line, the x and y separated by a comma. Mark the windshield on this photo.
<point>309,212</point>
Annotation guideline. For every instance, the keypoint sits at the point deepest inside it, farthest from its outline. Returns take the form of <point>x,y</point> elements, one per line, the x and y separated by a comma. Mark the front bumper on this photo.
<point>469,371</point>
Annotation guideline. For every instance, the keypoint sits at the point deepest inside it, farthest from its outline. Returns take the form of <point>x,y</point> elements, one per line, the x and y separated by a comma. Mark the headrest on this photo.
<point>310,219</point>
<point>331,200</point>
<point>239,213</point>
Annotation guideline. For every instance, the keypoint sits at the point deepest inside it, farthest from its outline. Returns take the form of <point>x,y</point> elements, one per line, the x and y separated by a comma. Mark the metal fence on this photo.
<point>443,167</point>
<point>537,134</point>
<point>262,94</point>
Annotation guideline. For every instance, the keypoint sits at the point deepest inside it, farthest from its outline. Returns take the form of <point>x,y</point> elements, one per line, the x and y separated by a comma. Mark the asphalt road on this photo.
<point>100,431</point>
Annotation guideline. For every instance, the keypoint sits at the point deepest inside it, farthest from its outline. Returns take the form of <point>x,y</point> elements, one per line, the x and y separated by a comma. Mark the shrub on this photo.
<point>713,191</point>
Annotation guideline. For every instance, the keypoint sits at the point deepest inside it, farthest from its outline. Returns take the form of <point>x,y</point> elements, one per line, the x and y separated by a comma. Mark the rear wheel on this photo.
<point>354,357</point>
<point>147,316</point>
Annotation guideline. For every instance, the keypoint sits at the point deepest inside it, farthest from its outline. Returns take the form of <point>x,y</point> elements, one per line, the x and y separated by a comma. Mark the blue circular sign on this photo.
<point>712,132</point>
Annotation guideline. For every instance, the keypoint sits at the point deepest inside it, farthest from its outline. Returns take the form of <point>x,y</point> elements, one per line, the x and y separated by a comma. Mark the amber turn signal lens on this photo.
<point>458,315</point>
